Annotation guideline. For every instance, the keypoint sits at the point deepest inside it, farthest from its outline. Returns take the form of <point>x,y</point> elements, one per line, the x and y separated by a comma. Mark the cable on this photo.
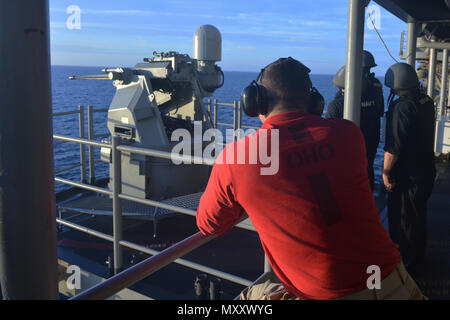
<point>379,35</point>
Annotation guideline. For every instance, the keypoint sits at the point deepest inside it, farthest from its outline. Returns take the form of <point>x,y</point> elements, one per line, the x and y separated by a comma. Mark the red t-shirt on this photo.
<point>316,217</point>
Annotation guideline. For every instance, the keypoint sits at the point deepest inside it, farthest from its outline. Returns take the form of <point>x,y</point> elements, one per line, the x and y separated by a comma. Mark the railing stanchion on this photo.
<point>82,147</point>
<point>432,74</point>
<point>236,120</point>
<point>235,116</point>
<point>239,119</point>
<point>444,83</point>
<point>216,102</point>
<point>91,148</point>
<point>267,266</point>
<point>117,204</point>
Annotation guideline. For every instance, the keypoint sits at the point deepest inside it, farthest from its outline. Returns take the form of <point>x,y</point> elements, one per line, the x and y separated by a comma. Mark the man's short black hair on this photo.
<point>287,79</point>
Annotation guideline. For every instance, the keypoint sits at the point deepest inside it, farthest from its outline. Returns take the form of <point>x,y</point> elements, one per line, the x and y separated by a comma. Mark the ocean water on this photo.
<point>69,94</point>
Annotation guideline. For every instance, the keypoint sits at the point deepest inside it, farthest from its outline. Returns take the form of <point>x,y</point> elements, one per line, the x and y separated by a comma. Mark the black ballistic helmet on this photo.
<point>368,60</point>
<point>401,76</point>
<point>339,78</point>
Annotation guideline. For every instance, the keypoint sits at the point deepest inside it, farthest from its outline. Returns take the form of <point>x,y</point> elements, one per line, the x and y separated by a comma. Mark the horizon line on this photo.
<point>102,67</point>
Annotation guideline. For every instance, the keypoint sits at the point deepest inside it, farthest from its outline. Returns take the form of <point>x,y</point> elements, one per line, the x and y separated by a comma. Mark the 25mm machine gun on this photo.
<point>154,98</point>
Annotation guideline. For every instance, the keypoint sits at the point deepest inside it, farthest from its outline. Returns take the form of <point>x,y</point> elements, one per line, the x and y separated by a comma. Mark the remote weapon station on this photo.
<point>153,99</point>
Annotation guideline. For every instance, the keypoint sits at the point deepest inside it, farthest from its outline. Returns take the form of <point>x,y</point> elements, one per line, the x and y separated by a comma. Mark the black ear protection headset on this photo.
<point>316,102</point>
<point>254,99</point>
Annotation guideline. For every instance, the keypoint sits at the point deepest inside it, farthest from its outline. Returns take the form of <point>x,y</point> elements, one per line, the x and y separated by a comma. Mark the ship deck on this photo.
<point>434,276</point>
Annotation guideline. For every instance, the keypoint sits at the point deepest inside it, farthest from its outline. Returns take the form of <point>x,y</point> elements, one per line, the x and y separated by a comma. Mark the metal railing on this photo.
<point>171,255</point>
<point>123,279</point>
<point>82,126</point>
<point>213,108</point>
<point>81,164</point>
<point>147,267</point>
<point>82,134</point>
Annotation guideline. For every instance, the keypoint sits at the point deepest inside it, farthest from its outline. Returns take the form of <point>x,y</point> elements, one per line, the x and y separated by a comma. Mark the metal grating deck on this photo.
<point>102,205</point>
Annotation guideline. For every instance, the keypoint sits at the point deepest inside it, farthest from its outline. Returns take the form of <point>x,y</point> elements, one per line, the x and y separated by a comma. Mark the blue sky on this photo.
<point>254,33</point>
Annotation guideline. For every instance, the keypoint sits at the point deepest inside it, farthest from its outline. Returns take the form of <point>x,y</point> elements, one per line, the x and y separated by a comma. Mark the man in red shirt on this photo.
<point>315,216</point>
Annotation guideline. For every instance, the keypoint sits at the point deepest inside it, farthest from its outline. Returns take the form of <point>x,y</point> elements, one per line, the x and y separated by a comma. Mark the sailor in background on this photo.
<point>409,170</point>
<point>372,108</point>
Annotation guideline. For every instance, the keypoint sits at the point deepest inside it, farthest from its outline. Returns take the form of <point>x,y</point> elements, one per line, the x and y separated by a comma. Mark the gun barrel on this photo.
<point>95,77</point>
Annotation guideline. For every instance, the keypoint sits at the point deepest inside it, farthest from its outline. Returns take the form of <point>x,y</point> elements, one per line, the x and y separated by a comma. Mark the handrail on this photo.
<point>81,141</point>
<point>225,124</point>
<point>100,110</point>
<point>225,104</point>
<point>87,230</point>
<point>58,114</point>
<point>147,267</point>
<point>167,155</point>
<point>190,264</point>
<point>84,186</point>
<point>143,269</point>
<point>134,246</point>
